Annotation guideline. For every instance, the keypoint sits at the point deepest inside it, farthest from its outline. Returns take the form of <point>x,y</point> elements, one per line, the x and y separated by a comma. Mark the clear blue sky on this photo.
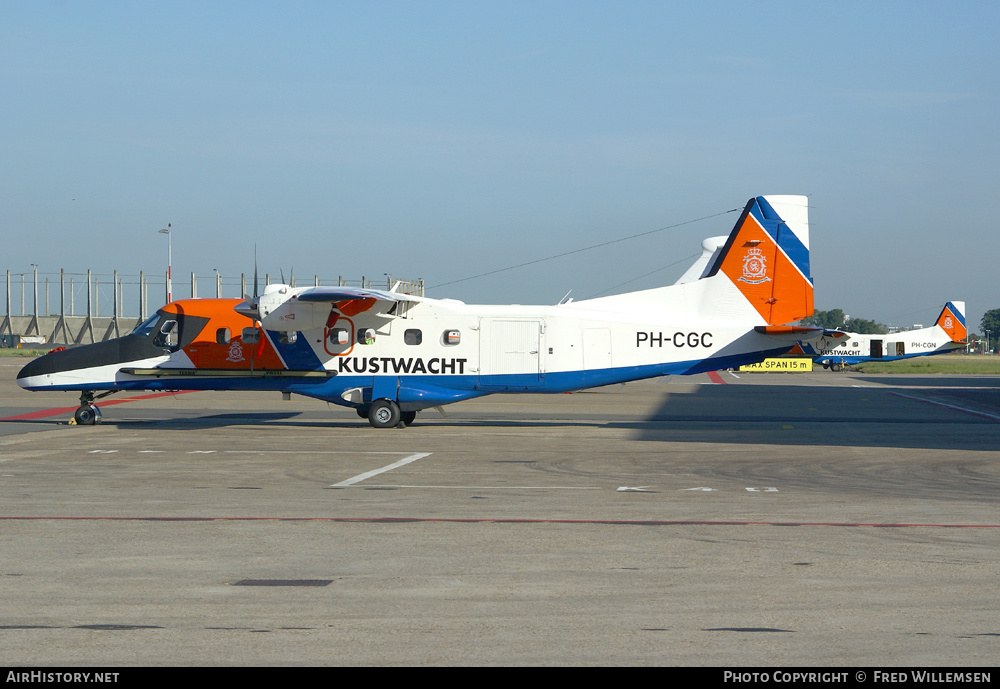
<point>442,140</point>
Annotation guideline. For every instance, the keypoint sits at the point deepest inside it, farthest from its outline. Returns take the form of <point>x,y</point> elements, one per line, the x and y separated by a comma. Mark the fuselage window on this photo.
<point>413,337</point>
<point>222,336</point>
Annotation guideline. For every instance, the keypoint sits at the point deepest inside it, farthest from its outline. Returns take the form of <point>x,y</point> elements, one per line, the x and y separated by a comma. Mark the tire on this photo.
<point>363,411</point>
<point>86,415</point>
<point>384,414</point>
<point>835,367</point>
<point>407,418</point>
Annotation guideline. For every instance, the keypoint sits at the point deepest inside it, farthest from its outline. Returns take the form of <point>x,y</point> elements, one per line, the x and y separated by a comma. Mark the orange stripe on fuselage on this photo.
<point>210,348</point>
<point>766,277</point>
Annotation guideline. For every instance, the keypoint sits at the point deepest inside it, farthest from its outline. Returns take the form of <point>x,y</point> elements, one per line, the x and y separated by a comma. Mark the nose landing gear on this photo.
<point>88,413</point>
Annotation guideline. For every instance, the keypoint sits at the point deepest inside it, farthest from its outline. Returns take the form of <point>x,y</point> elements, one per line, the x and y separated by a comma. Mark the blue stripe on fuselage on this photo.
<point>423,391</point>
<point>298,355</point>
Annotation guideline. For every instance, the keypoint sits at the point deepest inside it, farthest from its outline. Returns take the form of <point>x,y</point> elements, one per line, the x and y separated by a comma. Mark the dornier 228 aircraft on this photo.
<point>837,348</point>
<point>389,355</point>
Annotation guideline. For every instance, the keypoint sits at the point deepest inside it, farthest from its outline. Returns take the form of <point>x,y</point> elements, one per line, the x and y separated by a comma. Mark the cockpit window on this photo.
<point>167,335</point>
<point>146,327</point>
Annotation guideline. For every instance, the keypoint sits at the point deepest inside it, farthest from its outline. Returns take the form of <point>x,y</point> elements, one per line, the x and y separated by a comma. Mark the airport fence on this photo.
<point>74,308</point>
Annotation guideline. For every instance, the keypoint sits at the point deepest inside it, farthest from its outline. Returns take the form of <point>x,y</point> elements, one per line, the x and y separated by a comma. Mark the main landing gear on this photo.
<point>385,413</point>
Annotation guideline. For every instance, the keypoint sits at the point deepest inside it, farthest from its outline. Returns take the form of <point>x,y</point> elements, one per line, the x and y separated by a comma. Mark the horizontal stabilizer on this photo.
<point>790,333</point>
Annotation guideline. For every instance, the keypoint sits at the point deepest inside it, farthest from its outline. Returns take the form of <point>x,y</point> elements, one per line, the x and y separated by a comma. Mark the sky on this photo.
<point>445,140</point>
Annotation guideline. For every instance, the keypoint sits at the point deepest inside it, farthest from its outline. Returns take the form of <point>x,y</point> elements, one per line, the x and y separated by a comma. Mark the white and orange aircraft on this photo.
<point>838,349</point>
<point>389,355</point>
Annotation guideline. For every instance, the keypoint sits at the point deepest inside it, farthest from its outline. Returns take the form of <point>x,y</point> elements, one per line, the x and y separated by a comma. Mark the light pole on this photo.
<point>34,269</point>
<point>987,340</point>
<point>167,232</point>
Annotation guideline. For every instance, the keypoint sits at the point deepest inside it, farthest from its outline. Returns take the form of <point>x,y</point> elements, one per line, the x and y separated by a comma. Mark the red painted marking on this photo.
<point>45,413</point>
<point>716,378</point>
<point>457,520</point>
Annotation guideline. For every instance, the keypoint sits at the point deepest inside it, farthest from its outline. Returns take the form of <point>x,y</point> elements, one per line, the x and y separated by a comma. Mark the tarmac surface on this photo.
<point>747,519</point>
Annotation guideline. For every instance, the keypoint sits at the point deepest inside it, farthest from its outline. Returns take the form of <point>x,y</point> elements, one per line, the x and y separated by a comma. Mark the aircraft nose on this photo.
<point>32,369</point>
<point>44,371</point>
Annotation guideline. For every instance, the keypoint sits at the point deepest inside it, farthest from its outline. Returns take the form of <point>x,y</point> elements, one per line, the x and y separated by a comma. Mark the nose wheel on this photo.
<point>87,415</point>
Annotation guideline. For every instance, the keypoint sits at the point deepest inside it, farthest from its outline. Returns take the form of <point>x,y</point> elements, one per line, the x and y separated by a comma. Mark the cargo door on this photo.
<point>510,352</point>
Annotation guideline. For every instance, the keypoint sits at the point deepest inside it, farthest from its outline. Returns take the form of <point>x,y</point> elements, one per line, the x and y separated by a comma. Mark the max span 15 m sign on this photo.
<point>777,364</point>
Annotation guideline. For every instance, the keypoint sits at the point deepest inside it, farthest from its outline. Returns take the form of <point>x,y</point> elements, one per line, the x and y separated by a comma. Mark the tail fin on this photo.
<point>952,321</point>
<point>767,258</point>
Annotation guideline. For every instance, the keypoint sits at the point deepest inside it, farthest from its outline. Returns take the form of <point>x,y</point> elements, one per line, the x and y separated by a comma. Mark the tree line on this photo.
<point>836,319</point>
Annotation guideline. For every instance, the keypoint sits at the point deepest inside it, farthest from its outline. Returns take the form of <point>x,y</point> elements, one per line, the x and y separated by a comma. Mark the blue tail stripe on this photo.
<point>955,312</point>
<point>782,235</point>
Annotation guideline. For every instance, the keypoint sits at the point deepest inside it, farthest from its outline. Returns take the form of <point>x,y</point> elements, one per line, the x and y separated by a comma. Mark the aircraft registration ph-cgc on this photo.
<point>389,355</point>
<point>837,348</point>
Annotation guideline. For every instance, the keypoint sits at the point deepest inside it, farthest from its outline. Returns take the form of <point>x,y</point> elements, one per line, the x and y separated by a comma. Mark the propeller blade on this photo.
<point>255,292</point>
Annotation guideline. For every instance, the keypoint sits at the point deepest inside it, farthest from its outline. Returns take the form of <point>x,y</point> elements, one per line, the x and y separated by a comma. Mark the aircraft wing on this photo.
<point>289,310</point>
<point>338,294</point>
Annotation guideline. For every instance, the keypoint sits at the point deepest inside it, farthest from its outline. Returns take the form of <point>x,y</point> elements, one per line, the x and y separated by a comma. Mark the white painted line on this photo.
<point>376,472</point>
<point>703,489</point>
<point>732,374</point>
<point>307,452</point>
<point>949,406</point>
<point>634,489</point>
<point>503,487</point>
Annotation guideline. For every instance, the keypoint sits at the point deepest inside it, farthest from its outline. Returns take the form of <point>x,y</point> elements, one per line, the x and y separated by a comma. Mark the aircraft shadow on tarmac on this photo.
<point>206,422</point>
<point>871,416</point>
<point>868,416</point>
<point>829,416</point>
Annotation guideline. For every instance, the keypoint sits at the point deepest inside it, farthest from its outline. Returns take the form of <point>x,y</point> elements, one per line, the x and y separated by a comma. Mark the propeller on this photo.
<point>250,307</point>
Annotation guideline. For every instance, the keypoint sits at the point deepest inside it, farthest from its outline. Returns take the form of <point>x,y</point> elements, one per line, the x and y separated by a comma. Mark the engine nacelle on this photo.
<point>280,309</point>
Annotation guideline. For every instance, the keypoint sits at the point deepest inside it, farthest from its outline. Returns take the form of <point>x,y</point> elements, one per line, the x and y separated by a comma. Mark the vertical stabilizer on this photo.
<point>952,321</point>
<point>767,258</point>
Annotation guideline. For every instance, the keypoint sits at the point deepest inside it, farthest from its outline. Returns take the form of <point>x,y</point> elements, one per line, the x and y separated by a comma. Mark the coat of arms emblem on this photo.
<point>754,267</point>
<point>235,352</point>
<point>947,323</point>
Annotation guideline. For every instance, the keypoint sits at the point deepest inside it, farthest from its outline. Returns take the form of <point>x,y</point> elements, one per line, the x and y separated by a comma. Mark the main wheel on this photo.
<point>384,414</point>
<point>87,415</point>
<point>363,411</point>
<point>407,418</point>
<point>835,367</point>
